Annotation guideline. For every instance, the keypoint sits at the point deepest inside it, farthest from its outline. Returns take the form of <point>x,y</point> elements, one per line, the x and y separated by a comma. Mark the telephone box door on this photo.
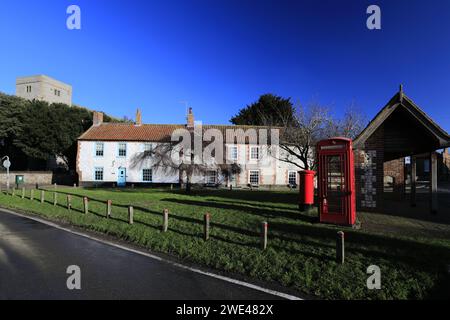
<point>336,182</point>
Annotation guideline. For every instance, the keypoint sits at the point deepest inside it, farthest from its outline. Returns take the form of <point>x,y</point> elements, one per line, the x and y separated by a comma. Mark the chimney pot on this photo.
<point>190,119</point>
<point>138,117</point>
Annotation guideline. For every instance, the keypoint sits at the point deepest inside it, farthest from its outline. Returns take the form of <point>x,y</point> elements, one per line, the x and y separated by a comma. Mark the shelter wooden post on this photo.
<point>413,180</point>
<point>433,183</point>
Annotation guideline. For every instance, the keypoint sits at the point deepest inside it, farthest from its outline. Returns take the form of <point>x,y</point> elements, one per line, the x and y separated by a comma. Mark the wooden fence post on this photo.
<point>264,227</point>
<point>130,214</point>
<point>55,198</point>
<point>108,208</point>
<point>165,220</point>
<point>13,192</point>
<point>31,194</point>
<point>42,196</point>
<point>23,192</point>
<point>86,205</point>
<point>207,219</point>
<point>340,250</point>
<point>69,202</point>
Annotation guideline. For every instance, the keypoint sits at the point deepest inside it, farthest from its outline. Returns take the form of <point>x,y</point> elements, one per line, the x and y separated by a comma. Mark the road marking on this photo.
<point>149,255</point>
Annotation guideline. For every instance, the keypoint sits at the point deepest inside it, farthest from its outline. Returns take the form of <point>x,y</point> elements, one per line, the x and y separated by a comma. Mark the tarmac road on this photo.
<point>34,258</point>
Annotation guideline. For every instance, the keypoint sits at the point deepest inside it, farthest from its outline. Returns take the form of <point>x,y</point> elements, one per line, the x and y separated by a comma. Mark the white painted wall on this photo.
<point>111,162</point>
<point>272,171</point>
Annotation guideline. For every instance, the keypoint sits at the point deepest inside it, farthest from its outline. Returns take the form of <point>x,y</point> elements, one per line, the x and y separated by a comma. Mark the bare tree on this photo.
<point>174,157</point>
<point>228,170</point>
<point>299,136</point>
<point>163,158</point>
<point>350,125</point>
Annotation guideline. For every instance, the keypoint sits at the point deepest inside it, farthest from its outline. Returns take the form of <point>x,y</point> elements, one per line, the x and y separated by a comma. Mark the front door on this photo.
<point>122,177</point>
<point>333,189</point>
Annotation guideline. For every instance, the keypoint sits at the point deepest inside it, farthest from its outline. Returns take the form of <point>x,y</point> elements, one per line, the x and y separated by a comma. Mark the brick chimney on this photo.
<point>97,119</point>
<point>190,119</point>
<point>138,117</point>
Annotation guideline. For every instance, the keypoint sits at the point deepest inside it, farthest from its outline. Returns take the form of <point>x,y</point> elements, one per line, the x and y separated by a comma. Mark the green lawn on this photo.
<point>300,253</point>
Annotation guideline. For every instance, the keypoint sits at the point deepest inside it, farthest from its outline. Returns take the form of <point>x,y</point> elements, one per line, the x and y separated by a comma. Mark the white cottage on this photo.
<point>108,153</point>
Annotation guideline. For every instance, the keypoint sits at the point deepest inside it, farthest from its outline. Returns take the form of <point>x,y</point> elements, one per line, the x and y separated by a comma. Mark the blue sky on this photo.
<point>220,55</point>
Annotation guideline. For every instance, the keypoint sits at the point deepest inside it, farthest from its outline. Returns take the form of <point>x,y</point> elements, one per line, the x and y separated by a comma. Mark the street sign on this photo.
<point>7,164</point>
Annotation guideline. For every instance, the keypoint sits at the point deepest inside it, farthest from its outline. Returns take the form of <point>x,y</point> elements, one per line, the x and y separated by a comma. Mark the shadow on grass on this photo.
<point>394,249</point>
<point>236,194</point>
<point>214,225</point>
<point>247,204</point>
<point>251,210</point>
<point>420,255</point>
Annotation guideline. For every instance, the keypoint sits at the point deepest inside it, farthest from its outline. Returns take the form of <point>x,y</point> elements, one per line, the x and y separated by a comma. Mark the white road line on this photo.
<point>149,255</point>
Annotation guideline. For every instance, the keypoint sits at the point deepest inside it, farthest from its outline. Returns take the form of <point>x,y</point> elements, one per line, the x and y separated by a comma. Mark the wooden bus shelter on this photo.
<point>399,134</point>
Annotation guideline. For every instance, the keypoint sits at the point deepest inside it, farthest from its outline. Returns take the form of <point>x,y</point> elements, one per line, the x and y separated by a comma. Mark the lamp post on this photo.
<point>6,164</point>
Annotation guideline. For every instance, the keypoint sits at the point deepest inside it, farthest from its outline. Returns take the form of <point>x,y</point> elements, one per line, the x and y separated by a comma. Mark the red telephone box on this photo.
<point>336,181</point>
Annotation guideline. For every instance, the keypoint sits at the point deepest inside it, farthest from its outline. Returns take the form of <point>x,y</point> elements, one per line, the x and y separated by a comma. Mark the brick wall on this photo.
<point>396,170</point>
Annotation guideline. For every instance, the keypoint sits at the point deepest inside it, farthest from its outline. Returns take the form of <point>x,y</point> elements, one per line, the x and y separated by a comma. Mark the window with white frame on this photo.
<point>292,178</point>
<point>147,147</point>
<point>98,174</point>
<point>254,153</point>
<point>99,149</point>
<point>147,175</point>
<point>122,149</point>
<point>233,153</point>
<point>211,177</point>
<point>254,177</point>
